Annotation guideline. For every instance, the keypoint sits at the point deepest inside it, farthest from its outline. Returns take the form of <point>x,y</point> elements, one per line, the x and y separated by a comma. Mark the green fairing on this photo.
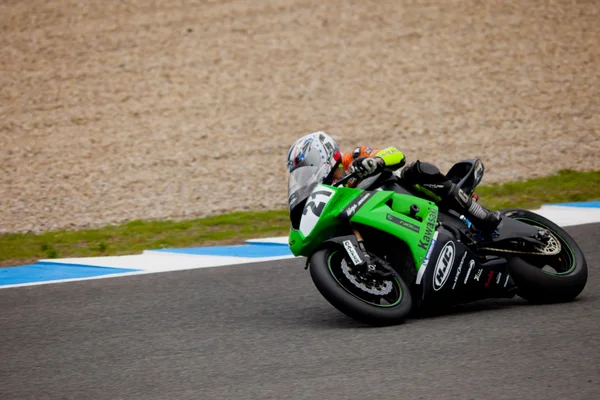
<point>375,213</point>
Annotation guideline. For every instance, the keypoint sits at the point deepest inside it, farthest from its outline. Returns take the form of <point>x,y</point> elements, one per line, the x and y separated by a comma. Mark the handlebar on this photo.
<point>345,179</point>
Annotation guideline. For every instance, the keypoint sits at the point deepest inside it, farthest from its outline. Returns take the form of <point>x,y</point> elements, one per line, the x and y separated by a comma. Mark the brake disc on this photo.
<point>380,289</point>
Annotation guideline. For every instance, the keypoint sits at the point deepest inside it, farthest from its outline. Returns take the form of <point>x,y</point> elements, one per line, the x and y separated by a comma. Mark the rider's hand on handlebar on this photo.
<point>366,166</point>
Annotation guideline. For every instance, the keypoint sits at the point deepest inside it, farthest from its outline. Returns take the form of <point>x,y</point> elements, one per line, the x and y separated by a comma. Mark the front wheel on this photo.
<point>548,278</point>
<point>373,300</point>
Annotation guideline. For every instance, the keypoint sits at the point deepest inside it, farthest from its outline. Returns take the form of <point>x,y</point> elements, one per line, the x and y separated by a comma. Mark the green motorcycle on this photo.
<point>381,251</point>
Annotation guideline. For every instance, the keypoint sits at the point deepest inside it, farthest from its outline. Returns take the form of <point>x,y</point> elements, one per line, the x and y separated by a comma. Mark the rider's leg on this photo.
<point>428,179</point>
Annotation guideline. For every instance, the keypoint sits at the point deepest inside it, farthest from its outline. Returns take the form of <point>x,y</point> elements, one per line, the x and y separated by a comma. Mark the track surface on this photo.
<point>262,331</point>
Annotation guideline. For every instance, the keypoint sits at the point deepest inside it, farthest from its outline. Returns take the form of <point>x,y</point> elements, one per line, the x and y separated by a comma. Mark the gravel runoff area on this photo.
<point>113,111</point>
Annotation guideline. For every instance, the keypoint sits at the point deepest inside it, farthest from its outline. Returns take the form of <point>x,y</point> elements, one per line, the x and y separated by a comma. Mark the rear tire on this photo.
<point>570,273</point>
<point>324,263</point>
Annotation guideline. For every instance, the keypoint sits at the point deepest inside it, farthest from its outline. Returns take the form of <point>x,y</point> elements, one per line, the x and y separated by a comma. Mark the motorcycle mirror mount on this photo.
<point>414,209</point>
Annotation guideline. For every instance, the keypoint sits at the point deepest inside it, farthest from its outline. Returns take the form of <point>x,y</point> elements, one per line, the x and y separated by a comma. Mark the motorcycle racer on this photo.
<point>318,149</point>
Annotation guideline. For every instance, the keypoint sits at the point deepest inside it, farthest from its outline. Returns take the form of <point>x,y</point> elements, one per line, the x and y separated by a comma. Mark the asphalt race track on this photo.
<point>262,331</point>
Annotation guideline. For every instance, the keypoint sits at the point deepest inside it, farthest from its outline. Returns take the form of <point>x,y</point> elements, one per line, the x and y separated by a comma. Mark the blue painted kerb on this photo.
<point>584,204</point>
<point>50,271</point>
<point>244,250</point>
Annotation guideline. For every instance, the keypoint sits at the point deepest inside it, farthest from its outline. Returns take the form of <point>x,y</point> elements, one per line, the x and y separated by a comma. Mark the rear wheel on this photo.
<point>366,297</point>
<point>558,276</point>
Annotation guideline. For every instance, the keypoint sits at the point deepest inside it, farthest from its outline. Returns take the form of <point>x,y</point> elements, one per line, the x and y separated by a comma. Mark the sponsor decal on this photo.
<point>387,152</point>
<point>489,279</point>
<point>433,186</point>
<point>402,223</point>
<point>471,265</point>
<point>363,198</point>
<point>354,205</point>
<point>425,262</point>
<point>444,265</point>
<point>498,278</point>
<point>356,260</point>
<point>506,280</point>
<point>478,275</point>
<point>351,210</point>
<point>429,230</point>
<point>459,270</point>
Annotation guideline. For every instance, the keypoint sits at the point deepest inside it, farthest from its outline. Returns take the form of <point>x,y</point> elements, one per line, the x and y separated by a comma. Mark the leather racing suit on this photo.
<point>423,177</point>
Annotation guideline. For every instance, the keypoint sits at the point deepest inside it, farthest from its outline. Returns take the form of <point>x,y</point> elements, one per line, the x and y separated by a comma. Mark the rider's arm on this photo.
<point>392,158</point>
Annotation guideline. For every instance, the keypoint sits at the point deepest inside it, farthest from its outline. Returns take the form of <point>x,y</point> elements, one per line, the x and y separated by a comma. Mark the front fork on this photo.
<point>355,249</point>
<point>361,246</point>
<point>370,262</point>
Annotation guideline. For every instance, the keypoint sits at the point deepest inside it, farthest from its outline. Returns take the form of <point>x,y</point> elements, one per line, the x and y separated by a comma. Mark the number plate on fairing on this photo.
<point>314,208</point>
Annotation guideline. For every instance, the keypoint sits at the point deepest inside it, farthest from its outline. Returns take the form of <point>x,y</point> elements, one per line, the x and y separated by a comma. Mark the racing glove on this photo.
<point>366,166</point>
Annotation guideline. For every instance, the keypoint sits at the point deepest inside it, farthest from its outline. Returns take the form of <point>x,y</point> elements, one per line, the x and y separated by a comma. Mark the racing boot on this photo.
<point>428,179</point>
<point>485,220</point>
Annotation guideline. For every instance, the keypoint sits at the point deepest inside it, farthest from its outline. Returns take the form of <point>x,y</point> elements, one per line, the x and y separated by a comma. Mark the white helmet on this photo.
<point>316,149</point>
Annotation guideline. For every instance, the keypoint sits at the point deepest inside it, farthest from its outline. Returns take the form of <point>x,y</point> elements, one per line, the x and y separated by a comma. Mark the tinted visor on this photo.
<point>303,180</point>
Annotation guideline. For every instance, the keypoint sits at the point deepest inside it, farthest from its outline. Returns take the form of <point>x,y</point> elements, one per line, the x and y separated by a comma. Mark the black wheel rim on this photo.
<point>561,263</point>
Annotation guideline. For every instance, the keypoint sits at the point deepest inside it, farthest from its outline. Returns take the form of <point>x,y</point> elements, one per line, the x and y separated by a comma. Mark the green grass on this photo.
<point>565,186</point>
<point>135,236</point>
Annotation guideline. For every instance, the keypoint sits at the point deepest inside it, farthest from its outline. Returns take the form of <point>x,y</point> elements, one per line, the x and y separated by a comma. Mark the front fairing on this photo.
<point>318,221</point>
<point>329,209</point>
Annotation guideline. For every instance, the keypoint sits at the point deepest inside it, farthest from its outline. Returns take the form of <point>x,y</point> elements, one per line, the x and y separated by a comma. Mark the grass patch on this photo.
<point>135,236</point>
<point>563,187</point>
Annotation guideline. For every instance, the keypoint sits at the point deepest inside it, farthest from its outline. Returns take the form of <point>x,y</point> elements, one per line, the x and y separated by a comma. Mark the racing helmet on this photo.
<point>316,149</point>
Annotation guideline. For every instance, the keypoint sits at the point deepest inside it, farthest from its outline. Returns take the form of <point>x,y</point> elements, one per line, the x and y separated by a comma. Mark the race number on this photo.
<point>314,208</point>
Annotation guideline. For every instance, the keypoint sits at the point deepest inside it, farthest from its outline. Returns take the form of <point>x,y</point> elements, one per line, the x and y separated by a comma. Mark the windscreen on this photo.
<point>303,180</point>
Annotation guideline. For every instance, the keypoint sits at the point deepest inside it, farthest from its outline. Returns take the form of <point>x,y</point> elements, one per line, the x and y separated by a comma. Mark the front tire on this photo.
<point>564,275</point>
<point>325,270</point>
